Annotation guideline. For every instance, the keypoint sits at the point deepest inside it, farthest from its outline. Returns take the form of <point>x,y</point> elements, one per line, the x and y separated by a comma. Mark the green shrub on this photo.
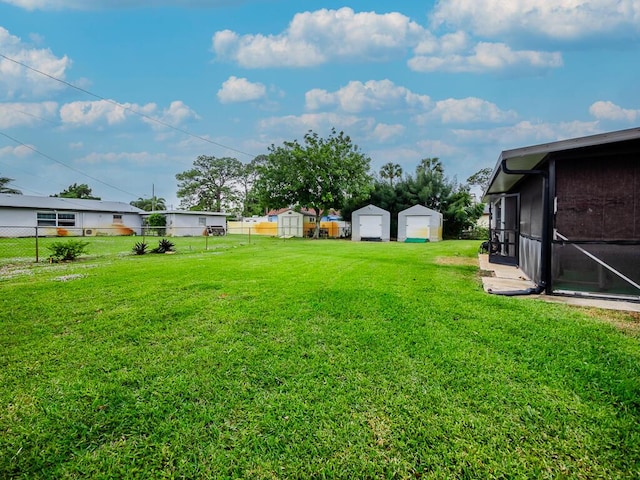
<point>476,233</point>
<point>140,248</point>
<point>67,251</point>
<point>156,223</point>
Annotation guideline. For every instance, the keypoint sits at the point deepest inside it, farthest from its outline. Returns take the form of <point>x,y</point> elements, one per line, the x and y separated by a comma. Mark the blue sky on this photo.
<point>461,80</point>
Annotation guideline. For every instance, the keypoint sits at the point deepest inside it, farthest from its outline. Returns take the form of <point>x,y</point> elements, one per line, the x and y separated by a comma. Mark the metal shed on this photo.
<point>370,223</point>
<point>419,223</point>
<point>567,213</point>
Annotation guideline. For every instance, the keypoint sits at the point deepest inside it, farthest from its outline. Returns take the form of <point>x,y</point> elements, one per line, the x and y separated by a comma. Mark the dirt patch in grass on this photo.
<point>10,271</point>
<point>457,261</point>
<point>66,278</point>
<point>627,322</point>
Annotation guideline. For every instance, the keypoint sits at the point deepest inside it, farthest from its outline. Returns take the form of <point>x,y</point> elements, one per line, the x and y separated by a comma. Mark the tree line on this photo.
<point>320,174</point>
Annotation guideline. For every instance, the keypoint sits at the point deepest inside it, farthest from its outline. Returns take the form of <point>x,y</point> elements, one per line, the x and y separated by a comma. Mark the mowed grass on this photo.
<point>306,359</point>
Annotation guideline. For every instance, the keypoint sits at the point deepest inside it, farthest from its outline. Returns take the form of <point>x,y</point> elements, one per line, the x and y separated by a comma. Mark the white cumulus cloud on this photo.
<point>557,19</point>
<point>527,133</point>
<point>236,89</point>
<point>175,115</point>
<point>19,151</point>
<point>322,36</point>
<point>19,82</point>
<point>485,56</point>
<point>383,132</point>
<point>605,110</point>
<point>466,110</point>
<point>372,95</point>
<point>109,113</point>
<point>27,114</point>
<point>314,38</point>
<point>85,113</point>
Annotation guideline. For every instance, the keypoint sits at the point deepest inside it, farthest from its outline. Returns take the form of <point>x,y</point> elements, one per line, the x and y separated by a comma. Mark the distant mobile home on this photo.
<point>24,215</point>
<point>182,223</point>
<point>568,214</point>
<point>419,223</point>
<point>370,223</point>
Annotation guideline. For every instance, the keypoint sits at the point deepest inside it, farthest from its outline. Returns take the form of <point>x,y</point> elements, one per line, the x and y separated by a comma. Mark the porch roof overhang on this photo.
<point>533,157</point>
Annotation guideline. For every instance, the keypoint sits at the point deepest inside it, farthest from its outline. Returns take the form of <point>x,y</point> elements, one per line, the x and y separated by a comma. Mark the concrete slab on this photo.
<point>504,278</point>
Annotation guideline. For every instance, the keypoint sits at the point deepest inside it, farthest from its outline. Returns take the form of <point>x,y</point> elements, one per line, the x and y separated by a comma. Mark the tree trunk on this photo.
<point>316,232</point>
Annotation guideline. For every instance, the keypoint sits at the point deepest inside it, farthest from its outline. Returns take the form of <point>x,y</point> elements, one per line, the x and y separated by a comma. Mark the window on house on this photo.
<point>202,221</point>
<point>55,219</point>
<point>117,219</point>
<point>66,219</point>
<point>46,219</point>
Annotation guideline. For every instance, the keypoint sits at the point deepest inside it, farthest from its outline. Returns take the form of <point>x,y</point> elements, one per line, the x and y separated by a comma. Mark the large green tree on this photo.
<point>481,178</point>
<point>4,181</point>
<point>460,212</point>
<point>77,191</point>
<point>211,185</point>
<point>149,204</point>
<point>318,174</point>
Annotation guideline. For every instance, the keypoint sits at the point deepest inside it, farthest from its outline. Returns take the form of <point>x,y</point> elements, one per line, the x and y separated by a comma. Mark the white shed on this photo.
<point>419,223</point>
<point>370,223</point>
<point>186,223</point>
<point>291,223</point>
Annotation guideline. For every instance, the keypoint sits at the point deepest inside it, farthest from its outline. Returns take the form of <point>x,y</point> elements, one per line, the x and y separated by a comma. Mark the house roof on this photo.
<point>419,209</point>
<point>187,212</point>
<point>370,209</point>
<point>283,210</point>
<point>528,158</point>
<point>59,203</point>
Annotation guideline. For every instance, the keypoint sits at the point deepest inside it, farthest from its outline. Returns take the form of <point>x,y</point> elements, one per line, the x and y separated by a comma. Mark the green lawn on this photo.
<point>306,359</point>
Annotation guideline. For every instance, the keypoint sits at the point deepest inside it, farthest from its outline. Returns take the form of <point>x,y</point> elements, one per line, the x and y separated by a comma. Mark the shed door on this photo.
<point>370,226</point>
<point>290,225</point>
<point>418,226</point>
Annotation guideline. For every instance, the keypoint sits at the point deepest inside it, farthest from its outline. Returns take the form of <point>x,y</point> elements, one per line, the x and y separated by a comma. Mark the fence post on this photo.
<point>37,256</point>
<point>249,235</point>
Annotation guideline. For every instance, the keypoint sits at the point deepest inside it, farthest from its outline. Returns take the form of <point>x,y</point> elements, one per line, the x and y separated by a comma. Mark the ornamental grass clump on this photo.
<point>140,248</point>
<point>164,246</point>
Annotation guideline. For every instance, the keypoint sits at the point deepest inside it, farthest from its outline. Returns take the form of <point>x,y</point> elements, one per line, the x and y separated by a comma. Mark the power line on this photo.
<point>64,164</point>
<point>129,109</point>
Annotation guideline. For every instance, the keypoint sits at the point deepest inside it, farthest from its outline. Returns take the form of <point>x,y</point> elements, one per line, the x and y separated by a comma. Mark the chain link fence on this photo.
<point>32,244</point>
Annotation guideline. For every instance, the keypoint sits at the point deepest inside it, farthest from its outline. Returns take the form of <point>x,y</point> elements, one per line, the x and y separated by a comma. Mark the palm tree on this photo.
<point>391,171</point>
<point>4,189</point>
<point>149,204</point>
<point>433,165</point>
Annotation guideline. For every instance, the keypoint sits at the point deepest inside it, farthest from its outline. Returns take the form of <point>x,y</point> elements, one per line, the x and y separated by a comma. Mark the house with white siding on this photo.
<point>28,216</point>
